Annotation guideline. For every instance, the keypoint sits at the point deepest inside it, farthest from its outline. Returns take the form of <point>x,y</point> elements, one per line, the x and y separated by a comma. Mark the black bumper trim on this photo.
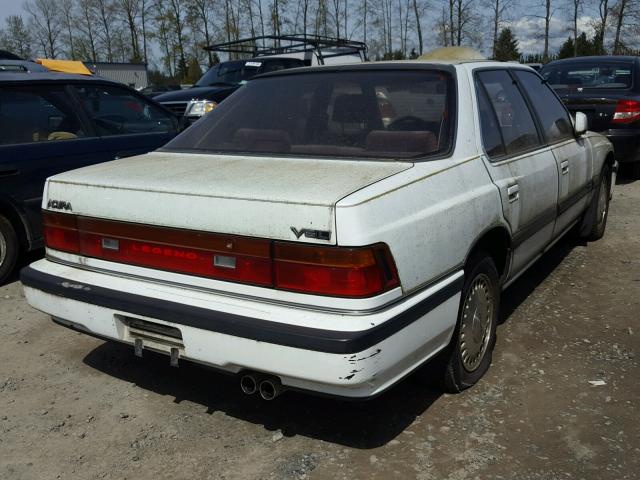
<point>315,339</point>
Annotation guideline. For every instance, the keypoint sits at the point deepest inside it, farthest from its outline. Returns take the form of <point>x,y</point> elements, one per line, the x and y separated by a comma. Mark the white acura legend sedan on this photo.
<point>328,229</point>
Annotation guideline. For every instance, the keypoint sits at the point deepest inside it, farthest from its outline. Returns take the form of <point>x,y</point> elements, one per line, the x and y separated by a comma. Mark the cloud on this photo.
<point>529,31</point>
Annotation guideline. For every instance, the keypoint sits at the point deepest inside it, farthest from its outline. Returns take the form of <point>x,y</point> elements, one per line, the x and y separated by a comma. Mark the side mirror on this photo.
<point>581,123</point>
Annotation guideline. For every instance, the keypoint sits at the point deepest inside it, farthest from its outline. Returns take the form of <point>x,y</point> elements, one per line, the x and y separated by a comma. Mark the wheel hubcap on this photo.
<point>602,201</point>
<point>477,316</point>
<point>3,248</point>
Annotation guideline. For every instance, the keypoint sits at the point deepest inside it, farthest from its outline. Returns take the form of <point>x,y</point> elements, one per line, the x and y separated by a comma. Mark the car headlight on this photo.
<point>198,108</point>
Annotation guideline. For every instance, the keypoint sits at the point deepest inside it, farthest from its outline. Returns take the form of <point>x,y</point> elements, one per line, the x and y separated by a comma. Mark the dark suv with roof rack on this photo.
<point>283,52</point>
<point>607,90</point>
<point>54,122</point>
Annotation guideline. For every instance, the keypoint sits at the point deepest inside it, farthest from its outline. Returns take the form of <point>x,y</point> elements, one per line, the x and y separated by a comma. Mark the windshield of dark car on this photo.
<point>229,73</point>
<point>589,75</point>
<point>368,113</point>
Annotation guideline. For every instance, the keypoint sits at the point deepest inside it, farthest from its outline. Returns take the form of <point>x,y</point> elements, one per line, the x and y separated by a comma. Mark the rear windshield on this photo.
<point>229,73</point>
<point>590,75</point>
<point>380,114</point>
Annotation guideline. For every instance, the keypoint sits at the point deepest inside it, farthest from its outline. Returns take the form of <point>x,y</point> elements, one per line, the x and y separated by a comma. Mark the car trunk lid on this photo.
<point>598,105</point>
<point>275,198</point>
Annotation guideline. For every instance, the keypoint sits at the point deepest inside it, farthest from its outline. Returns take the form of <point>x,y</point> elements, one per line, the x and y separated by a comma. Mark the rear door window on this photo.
<point>33,113</point>
<point>491,136</point>
<point>550,110</point>
<point>274,65</point>
<point>117,111</point>
<point>514,119</point>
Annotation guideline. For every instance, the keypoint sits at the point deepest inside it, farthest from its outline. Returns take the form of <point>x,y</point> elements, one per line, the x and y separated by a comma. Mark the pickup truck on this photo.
<point>360,224</point>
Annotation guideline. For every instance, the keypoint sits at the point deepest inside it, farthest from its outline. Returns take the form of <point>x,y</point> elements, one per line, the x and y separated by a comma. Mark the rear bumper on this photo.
<point>360,362</point>
<point>626,144</point>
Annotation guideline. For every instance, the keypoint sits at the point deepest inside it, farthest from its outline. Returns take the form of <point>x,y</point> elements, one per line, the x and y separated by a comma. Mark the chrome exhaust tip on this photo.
<point>270,389</point>
<point>248,384</point>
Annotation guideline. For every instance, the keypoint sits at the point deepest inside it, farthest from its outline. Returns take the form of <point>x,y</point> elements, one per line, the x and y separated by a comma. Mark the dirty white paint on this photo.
<point>430,214</point>
<point>253,196</point>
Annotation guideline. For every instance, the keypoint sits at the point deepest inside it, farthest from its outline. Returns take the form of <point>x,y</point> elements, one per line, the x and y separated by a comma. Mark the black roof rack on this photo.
<point>296,43</point>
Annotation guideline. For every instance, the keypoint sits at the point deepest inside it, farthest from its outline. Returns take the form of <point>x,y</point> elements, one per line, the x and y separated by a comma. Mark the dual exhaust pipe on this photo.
<point>268,386</point>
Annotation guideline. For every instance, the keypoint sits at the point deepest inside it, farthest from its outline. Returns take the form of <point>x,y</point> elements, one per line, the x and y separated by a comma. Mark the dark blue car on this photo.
<point>51,123</point>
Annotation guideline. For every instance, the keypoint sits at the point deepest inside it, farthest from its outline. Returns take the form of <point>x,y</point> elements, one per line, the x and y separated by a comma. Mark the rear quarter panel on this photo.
<point>600,149</point>
<point>430,216</point>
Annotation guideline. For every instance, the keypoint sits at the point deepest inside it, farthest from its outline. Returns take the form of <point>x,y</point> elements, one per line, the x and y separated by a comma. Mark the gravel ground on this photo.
<point>560,401</point>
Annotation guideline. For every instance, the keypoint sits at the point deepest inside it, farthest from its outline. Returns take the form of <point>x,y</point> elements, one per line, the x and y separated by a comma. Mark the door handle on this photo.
<point>513,193</point>
<point>564,167</point>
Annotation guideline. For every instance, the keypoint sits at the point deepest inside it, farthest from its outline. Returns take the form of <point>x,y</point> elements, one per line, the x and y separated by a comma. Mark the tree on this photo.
<point>620,14</point>
<point>549,11</point>
<point>130,10</point>
<point>576,7</point>
<point>15,37</point>
<point>194,71</point>
<point>583,46</point>
<point>600,26</point>
<point>105,11</point>
<point>498,10</point>
<point>417,13</point>
<point>506,46</point>
<point>462,21</point>
<point>177,19</point>
<point>87,43</point>
<point>45,23</point>
<point>201,15</point>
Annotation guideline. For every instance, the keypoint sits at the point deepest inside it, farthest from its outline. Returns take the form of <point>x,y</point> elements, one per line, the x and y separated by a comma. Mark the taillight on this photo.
<point>61,232</point>
<point>315,269</point>
<point>337,271</point>
<point>627,111</point>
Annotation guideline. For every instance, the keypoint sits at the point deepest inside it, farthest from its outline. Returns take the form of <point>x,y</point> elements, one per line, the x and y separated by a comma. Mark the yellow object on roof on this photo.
<point>453,54</point>
<point>65,66</point>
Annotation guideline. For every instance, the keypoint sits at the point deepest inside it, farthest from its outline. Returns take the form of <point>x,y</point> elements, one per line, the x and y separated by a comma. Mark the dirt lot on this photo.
<point>75,407</point>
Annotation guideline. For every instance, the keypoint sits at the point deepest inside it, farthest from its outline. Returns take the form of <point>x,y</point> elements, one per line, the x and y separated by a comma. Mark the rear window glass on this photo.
<point>589,75</point>
<point>379,114</point>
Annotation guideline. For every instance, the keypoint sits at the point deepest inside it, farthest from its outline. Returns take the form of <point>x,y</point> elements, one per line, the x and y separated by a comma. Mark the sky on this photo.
<point>528,30</point>
<point>9,7</point>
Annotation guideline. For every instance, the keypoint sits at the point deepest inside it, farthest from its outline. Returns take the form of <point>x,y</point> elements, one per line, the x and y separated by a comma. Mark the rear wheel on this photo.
<point>8,248</point>
<point>595,219</point>
<point>468,356</point>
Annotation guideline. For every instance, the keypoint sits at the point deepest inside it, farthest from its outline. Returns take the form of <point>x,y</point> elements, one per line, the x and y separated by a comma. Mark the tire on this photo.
<point>595,218</point>
<point>469,354</point>
<point>8,249</point>
<point>634,170</point>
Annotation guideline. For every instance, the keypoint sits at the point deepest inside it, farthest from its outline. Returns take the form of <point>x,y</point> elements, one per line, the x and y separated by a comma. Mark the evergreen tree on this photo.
<point>566,49</point>
<point>585,46</point>
<point>507,46</point>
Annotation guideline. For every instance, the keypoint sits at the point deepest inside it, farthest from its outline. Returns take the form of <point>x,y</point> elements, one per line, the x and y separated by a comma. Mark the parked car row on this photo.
<point>359,223</point>
<point>607,90</point>
<point>51,123</point>
<point>291,51</point>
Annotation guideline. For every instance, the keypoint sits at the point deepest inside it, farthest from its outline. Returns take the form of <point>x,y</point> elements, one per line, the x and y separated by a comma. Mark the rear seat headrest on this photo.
<point>404,141</point>
<point>277,141</point>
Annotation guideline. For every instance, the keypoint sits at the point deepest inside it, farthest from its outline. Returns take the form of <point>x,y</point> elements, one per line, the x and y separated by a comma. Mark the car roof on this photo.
<point>29,65</point>
<point>598,58</point>
<point>448,65</point>
<point>47,77</point>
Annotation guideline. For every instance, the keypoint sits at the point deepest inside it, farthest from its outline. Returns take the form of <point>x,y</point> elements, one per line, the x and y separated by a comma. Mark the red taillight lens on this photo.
<point>627,111</point>
<point>315,269</point>
<point>337,271</point>
<point>61,232</point>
